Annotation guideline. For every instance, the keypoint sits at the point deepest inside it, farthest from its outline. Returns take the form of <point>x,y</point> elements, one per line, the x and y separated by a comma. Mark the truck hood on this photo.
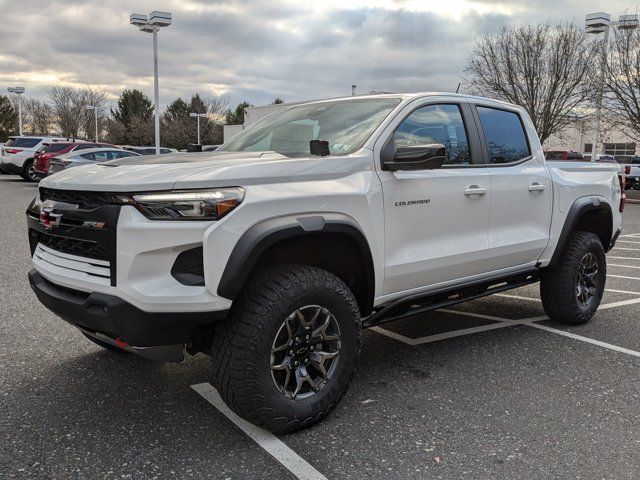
<point>195,170</point>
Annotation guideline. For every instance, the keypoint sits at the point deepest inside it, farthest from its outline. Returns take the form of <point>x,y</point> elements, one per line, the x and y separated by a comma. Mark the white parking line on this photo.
<point>628,241</point>
<point>444,336</point>
<point>501,322</point>
<point>584,339</point>
<point>629,249</point>
<point>274,446</point>
<point>623,258</point>
<point>622,266</point>
<point>622,276</point>
<point>630,235</point>
<point>621,303</point>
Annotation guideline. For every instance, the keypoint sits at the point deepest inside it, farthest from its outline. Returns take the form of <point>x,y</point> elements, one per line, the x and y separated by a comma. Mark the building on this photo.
<point>579,137</point>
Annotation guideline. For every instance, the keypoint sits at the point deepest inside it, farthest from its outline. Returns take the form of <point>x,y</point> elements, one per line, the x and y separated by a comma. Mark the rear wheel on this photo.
<point>286,355</point>
<point>571,292</point>
<point>29,171</point>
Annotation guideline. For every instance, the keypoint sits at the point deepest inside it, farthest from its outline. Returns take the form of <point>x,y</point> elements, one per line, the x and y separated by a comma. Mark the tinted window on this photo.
<point>88,156</point>
<point>436,124</point>
<point>55,147</point>
<point>85,146</point>
<point>23,142</point>
<point>504,134</point>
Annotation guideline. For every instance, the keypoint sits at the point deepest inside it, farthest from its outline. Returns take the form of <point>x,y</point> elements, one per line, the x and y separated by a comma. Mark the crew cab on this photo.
<point>272,253</point>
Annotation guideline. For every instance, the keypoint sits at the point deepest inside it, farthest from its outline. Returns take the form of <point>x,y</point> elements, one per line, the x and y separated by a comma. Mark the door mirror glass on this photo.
<point>418,157</point>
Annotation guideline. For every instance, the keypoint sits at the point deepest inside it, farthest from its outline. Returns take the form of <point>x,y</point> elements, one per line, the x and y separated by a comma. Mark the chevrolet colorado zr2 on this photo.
<point>272,253</point>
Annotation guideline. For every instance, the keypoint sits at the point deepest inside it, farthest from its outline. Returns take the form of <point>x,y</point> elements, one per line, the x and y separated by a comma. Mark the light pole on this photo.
<point>151,24</point>
<point>596,23</point>
<point>18,91</point>
<point>95,111</point>
<point>198,116</point>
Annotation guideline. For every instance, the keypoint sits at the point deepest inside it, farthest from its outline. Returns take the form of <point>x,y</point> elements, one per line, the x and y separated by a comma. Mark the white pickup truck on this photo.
<point>273,252</point>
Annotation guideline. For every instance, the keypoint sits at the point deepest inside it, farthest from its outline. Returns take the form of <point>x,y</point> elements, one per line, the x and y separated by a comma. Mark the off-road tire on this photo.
<point>241,346</point>
<point>26,171</point>
<point>558,284</point>
<point>105,345</point>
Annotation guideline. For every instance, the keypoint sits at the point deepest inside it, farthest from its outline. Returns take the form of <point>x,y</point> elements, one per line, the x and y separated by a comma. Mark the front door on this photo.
<point>436,220</point>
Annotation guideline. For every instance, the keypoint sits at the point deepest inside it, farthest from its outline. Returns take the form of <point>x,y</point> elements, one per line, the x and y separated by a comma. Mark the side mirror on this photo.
<point>415,157</point>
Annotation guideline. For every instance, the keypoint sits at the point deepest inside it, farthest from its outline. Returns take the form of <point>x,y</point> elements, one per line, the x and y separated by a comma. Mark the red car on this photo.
<point>42,158</point>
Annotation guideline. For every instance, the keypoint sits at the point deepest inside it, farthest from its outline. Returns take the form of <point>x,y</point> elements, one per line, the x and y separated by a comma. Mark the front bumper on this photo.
<point>127,326</point>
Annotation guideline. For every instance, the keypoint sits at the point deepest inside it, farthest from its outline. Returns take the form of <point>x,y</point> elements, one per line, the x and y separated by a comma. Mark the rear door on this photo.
<point>521,193</point>
<point>435,220</point>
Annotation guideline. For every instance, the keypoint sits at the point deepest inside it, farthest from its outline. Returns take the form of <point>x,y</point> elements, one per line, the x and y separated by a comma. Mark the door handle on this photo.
<point>537,187</point>
<point>472,190</point>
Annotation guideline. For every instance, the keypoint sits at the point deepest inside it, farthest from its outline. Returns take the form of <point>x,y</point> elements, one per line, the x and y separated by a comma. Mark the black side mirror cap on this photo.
<point>414,157</point>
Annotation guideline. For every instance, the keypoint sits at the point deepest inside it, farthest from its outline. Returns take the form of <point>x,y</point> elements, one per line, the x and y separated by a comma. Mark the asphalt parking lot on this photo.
<point>488,389</point>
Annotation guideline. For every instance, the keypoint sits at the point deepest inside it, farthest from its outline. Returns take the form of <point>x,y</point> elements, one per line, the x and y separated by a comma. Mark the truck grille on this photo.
<point>81,243</point>
<point>77,197</point>
<point>72,246</point>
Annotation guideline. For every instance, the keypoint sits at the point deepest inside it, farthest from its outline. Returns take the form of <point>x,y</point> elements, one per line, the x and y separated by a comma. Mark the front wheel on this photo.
<point>571,292</point>
<point>286,355</point>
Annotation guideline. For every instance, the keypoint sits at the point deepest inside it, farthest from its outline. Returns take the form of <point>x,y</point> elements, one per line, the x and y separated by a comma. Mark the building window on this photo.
<point>588,147</point>
<point>620,149</point>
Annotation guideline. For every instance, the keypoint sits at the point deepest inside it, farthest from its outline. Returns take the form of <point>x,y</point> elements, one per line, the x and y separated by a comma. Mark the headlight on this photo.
<point>195,205</point>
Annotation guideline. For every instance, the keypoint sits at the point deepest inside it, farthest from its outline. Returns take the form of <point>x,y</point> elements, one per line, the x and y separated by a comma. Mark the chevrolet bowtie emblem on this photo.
<point>48,219</point>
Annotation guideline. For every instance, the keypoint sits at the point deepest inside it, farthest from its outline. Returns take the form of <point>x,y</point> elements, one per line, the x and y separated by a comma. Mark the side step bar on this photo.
<point>420,303</point>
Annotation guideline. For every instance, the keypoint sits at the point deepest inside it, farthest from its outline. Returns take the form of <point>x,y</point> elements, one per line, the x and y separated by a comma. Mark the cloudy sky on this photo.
<point>256,50</point>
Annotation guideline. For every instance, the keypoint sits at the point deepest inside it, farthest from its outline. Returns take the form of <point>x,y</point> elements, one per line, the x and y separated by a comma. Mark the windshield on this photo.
<point>345,124</point>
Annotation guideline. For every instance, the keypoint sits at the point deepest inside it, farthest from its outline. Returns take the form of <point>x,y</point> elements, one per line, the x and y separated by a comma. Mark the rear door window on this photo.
<point>504,134</point>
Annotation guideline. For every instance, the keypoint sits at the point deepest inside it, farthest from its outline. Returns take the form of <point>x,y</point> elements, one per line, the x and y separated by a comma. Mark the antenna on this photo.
<point>458,89</point>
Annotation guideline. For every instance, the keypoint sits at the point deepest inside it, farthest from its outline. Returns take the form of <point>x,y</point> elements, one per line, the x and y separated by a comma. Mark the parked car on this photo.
<point>273,252</point>
<point>563,155</point>
<point>603,157</point>
<point>17,155</point>
<point>81,157</point>
<point>49,150</point>
<point>149,150</point>
<point>632,172</point>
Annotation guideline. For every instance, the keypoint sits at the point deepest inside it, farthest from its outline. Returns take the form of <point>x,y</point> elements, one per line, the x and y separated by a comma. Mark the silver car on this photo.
<point>87,157</point>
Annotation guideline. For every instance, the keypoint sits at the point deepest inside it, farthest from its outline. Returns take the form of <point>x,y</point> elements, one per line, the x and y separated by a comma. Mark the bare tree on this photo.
<point>39,116</point>
<point>68,108</point>
<point>68,105</point>
<point>542,68</point>
<point>621,74</point>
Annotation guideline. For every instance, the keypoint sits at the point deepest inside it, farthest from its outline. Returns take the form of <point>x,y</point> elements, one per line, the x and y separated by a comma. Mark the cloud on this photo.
<point>254,50</point>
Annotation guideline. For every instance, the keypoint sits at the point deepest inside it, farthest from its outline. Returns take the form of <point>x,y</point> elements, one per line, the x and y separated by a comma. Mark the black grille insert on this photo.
<point>72,246</point>
<point>80,198</point>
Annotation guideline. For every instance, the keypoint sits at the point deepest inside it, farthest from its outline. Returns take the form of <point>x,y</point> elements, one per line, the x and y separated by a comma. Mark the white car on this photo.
<point>17,155</point>
<point>87,157</point>
<point>273,252</point>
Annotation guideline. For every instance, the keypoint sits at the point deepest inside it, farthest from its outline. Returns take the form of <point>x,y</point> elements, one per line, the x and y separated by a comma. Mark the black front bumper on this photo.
<point>118,319</point>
